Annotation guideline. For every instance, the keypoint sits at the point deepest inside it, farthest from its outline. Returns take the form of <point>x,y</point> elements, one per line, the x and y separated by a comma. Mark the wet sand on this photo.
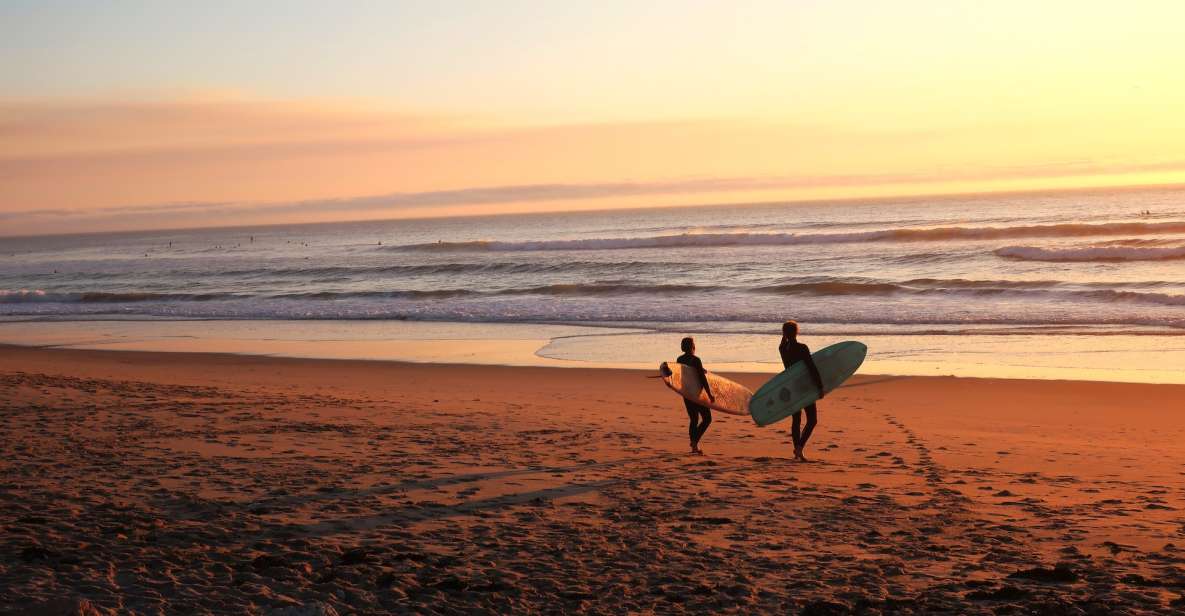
<point>191,483</point>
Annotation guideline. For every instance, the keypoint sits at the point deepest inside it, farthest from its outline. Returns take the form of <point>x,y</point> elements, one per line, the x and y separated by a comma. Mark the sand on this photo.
<point>191,483</point>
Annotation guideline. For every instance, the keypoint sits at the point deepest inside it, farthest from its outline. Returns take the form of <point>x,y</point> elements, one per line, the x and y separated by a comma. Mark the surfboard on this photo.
<point>793,389</point>
<point>731,397</point>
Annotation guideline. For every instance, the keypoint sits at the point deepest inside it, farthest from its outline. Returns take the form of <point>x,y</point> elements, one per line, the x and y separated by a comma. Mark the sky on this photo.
<point>126,115</point>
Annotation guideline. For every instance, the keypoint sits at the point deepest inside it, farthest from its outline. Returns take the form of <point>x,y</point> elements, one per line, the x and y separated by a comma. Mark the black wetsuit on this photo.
<point>793,352</point>
<point>699,415</point>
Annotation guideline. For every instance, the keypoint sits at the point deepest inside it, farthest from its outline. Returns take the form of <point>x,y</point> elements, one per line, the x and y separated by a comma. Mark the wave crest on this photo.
<point>95,297</point>
<point>781,239</point>
<point>822,288</point>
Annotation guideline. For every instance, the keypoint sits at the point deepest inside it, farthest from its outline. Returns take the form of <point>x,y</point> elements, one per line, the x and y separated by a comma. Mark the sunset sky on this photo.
<point>152,114</point>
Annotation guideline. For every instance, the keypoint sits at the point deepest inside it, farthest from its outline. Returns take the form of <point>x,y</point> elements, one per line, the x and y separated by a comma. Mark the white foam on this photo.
<point>24,295</point>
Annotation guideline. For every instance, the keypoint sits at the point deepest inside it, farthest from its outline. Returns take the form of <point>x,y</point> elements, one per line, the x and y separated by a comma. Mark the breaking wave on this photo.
<point>780,239</point>
<point>931,287</point>
<point>96,297</point>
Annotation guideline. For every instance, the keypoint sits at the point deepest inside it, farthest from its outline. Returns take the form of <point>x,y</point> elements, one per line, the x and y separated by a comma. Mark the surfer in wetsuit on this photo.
<point>792,352</point>
<point>700,416</point>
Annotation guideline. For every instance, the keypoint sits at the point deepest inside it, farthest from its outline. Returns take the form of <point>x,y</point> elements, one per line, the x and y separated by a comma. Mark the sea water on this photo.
<point>1072,284</point>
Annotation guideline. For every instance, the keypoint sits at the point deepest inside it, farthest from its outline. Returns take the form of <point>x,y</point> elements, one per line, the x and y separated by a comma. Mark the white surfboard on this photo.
<point>731,397</point>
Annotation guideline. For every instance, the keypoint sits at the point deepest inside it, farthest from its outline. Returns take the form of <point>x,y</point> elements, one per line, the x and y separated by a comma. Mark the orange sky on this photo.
<point>712,104</point>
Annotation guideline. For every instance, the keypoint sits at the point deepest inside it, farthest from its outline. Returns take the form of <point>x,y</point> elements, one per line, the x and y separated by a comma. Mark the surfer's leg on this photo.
<point>795,435</point>
<point>694,428</point>
<point>811,421</point>
<point>705,417</point>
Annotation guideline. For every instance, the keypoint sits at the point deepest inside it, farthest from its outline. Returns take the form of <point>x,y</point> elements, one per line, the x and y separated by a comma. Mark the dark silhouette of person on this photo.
<point>699,415</point>
<point>792,352</point>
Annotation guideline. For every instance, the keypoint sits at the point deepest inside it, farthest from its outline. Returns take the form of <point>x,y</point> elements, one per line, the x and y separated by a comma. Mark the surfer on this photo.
<point>792,352</point>
<point>699,415</point>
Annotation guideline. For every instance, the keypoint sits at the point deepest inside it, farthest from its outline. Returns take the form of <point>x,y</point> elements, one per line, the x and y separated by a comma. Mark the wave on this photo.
<point>1142,242</point>
<point>575,289</point>
<point>833,288</point>
<point>1163,299</point>
<point>780,239</point>
<point>605,315</point>
<point>914,286</point>
<point>1093,253</point>
<point>22,295</point>
<point>327,273</point>
<point>962,283</point>
<point>96,297</point>
<point>929,287</point>
<point>342,295</point>
<point>973,288</point>
<point>610,289</point>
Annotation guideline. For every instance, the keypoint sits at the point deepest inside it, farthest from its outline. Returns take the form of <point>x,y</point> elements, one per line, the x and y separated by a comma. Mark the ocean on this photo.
<point>1052,285</point>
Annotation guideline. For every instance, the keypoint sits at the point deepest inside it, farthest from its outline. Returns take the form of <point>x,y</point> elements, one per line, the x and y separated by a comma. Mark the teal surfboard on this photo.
<point>787,393</point>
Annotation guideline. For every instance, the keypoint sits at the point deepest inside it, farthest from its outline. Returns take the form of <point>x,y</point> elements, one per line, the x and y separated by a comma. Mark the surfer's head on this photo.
<point>688,345</point>
<point>790,329</point>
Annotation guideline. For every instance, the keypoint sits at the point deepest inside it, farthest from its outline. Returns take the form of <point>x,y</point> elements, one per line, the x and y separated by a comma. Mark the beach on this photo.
<point>323,309</point>
<point>141,482</point>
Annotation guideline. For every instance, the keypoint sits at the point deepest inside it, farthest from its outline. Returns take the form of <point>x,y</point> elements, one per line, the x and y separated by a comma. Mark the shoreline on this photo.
<point>47,356</point>
<point>1136,358</point>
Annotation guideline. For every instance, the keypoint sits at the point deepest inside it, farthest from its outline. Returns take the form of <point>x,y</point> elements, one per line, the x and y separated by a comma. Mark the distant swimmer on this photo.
<point>700,416</point>
<point>792,352</point>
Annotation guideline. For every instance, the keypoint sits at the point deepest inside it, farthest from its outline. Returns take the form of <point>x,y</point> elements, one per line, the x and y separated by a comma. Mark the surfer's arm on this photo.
<point>810,364</point>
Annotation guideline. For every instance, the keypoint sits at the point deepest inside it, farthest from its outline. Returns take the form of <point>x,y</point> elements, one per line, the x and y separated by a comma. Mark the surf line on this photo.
<point>875,381</point>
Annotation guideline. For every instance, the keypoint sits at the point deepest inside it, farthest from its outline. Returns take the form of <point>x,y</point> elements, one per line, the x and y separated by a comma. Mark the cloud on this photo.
<point>422,203</point>
<point>395,202</point>
<point>41,129</point>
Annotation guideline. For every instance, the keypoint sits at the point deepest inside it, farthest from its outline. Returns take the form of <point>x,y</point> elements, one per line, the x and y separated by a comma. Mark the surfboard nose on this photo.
<point>863,349</point>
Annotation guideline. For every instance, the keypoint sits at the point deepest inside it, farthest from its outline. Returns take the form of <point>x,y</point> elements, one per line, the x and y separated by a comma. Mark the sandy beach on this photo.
<point>335,309</point>
<point>167,483</point>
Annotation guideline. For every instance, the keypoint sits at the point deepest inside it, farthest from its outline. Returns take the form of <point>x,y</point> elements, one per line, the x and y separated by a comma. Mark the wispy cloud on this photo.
<point>394,203</point>
<point>75,166</point>
<point>422,203</point>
